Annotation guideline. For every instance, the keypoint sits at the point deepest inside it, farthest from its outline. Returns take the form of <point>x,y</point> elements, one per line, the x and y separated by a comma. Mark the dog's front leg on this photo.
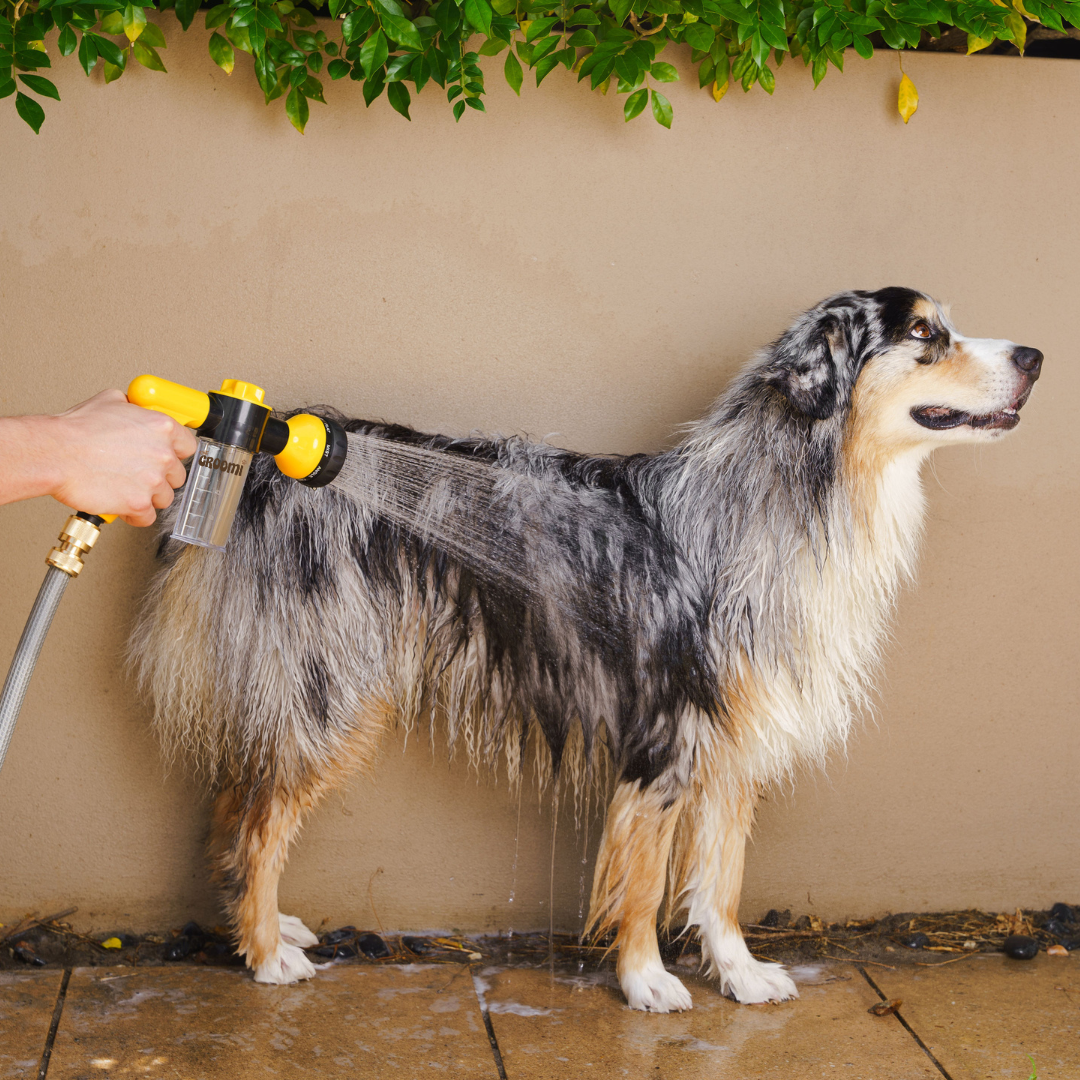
<point>252,827</point>
<point>712,853</point>
<point>628,887</point>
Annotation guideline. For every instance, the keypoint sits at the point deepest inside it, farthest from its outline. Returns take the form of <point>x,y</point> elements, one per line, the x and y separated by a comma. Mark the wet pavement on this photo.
<point>982,1017</point>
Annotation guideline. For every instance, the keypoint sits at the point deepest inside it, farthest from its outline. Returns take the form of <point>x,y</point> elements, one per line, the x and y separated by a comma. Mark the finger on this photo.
<point>162,496</point>
<point>175,475</point>
<point>141,518</point>
<point>183,441</point>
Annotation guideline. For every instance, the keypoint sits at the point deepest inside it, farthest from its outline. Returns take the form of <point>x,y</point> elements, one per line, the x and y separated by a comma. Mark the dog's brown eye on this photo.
<point>921,330</point>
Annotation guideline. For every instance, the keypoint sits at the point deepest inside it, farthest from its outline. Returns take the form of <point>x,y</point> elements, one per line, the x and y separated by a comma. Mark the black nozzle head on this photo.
<point>334,454</point>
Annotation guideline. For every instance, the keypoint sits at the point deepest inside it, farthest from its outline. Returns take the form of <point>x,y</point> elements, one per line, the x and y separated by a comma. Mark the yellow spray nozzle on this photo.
<point>304,450</point>
<point>185,405</point>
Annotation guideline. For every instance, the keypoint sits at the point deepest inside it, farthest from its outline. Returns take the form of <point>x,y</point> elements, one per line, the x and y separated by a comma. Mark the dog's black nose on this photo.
<point>1029,361</point>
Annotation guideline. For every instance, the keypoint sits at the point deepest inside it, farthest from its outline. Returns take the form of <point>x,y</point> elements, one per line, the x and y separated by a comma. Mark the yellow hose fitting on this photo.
<point>76,539</point>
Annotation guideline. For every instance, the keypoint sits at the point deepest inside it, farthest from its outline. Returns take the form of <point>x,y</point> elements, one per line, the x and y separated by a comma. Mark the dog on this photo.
<point>709,618</point>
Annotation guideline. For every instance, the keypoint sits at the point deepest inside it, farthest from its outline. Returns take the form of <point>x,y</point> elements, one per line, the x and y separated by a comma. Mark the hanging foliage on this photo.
<point>398,47</point>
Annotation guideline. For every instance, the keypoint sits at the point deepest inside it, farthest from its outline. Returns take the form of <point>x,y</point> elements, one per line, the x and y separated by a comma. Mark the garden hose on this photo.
<point>65,562</point>
<point>233,424</point>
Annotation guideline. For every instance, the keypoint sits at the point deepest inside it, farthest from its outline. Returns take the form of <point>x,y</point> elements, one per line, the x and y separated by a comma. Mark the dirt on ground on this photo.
<point>927,939</point>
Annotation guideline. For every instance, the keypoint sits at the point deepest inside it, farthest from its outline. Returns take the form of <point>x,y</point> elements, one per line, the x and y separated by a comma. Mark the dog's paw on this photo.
<point>295,932</point>
<point>287,965</point>
<point>652,989</point>
<point>753,983</point>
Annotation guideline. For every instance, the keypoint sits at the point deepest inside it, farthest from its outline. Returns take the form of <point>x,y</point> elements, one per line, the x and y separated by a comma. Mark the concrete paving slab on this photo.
<point>552,1027</point>
<point>26,1009</point>
<point>982,1017</point>
<point>212,1023</point>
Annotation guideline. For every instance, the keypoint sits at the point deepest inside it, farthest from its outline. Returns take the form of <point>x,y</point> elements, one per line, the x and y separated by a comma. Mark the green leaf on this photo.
<point>7,88</point>
<point>700,36</point>
<point>357,24</point>
<point>186,11</point>
<point>133,22</point>
<point>152,35</point>
<point>661,108</point>
<point>266,73</point>
<point>539,27</point>
<point>479,13</point>
<point>296,109</point>
<point>110,51</point>
<point>67,42</point>
<point>635,103</point>
<point>403,32</point>
<point>88,55</point>
<point>221,52</point>
<point>338,69</point>
<point>512,71</point>
<point>147,56</point>
<point>112,22</point>
<point>373,54</point>
<point>492,47</point>
<point>545,66</point>
<point>373,87</point>
<point>398,95</point>
<point>664,72</point>
<point>312,89</point>
<point>620,9</point>
<point>40,85</point>
<point>112,72</point>
<point>459,108</point>
<point>398,68</point>
<point>239,36</point>
<point>30,111</point>
<point>337,7</point>
<point>32,59</point>
<point>767,79</point>
<point>475,103</point>
<point>216,16</point>
<point>582,39</point>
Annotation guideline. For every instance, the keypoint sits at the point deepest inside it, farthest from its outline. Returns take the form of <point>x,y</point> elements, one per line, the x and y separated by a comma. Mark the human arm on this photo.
<point>105,456</point>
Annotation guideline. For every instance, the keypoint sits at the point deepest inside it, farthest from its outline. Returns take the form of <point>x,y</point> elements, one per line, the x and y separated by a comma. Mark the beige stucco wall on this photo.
<point>548,269</point>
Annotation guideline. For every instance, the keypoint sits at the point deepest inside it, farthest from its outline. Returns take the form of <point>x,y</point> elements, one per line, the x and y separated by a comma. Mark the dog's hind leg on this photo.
<point>707,873</point>
<point>253,825</point>
<point>628,888</point>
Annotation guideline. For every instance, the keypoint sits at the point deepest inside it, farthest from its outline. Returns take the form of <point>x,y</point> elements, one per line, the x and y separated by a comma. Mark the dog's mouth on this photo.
<point>940,417</point>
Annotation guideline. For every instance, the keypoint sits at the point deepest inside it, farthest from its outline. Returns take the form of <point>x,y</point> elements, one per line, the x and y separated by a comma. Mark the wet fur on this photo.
<point>709,618</point>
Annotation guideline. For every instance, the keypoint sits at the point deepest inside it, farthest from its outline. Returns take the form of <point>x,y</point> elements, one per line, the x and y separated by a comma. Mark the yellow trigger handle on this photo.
<point>185,405</point>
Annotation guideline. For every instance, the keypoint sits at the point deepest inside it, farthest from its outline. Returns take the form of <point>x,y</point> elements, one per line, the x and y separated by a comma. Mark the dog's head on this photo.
<point>895,353</point>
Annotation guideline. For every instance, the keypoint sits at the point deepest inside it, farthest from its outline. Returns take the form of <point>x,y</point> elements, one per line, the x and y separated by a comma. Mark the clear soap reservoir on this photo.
<point>208,502</point>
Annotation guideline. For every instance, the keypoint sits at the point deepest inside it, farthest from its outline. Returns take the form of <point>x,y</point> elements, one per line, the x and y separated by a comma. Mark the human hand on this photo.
<point>105,456</point>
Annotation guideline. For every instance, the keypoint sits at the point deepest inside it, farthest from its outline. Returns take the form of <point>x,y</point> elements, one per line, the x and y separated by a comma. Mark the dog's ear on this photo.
<point>804,364</point>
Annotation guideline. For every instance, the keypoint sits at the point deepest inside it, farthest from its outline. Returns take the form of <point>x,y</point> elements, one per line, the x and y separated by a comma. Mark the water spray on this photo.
<point>232,424</point>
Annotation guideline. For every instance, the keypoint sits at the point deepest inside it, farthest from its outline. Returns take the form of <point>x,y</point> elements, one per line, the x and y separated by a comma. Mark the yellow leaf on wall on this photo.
<point>907,100</point>
<point>719,91</point>
<point>112,943</point>
<point>977,43</point>
<point>1019,30</point>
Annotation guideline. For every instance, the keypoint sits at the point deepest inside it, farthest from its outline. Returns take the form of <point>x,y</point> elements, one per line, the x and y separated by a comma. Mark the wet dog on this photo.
<point>708,618</point>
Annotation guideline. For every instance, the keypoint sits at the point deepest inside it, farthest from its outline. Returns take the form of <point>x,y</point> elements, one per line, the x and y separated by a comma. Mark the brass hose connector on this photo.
<point>76,539</point>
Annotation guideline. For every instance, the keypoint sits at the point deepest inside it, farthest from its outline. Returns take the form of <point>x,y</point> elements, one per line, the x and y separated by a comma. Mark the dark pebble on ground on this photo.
<point>420,946</point>
<point>25,954</point>
<point>1020,947</point>
<point>334,952</point>
<point>335,937</point>
<point>774,918</point>
<point>1057,928</point>
<point>373,946</point>
<point>915,941</point>
<point>1063,913</point>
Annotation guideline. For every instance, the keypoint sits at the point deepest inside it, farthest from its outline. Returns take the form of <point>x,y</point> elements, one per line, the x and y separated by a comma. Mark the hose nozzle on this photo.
<point>76,539</point>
